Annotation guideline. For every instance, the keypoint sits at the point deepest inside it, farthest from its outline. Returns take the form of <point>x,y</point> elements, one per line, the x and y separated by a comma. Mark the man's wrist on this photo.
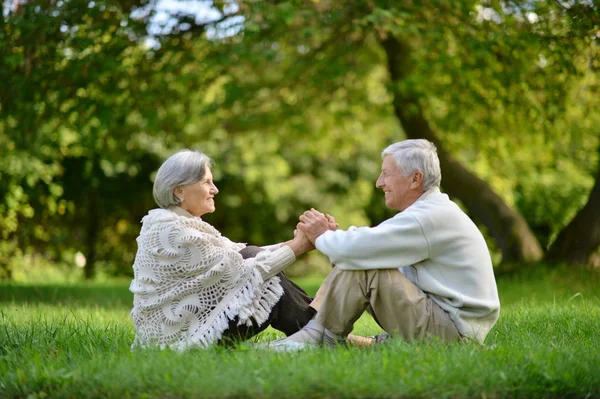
<point>317,235</point>
<point>313,239</point>
<point>317,238</point>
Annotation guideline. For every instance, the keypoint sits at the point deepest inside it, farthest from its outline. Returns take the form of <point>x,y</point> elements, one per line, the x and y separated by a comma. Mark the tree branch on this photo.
<point>196,29</point>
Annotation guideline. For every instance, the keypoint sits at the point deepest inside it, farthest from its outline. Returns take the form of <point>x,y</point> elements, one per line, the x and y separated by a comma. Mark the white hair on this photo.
<point>417,155</point>
<point>182,168</point>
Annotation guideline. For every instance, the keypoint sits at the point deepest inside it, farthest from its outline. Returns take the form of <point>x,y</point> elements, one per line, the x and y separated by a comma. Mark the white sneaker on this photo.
<point>312,335</point>
<point>287,345</point>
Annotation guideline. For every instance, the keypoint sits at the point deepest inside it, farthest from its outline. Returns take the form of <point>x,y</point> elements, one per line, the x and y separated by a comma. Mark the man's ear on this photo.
<point>416,180</point>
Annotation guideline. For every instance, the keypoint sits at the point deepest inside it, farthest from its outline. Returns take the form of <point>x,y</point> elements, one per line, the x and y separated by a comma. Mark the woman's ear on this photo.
<point>178,192</point>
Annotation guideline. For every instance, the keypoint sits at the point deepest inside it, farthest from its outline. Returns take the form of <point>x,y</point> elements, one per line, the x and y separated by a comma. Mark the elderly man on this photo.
<point>426,272</point>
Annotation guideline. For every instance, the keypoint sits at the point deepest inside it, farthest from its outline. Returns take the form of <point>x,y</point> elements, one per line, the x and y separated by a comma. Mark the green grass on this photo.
<point>73,341</point>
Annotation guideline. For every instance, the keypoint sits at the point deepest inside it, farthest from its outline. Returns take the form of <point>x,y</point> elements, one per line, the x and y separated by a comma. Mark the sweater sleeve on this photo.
<point>395,243</point>
<point>269,263</point>
<point>271,248</point>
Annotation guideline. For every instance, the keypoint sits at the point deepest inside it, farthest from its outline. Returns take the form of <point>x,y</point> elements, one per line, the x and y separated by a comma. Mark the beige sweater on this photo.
<point>435,244</point>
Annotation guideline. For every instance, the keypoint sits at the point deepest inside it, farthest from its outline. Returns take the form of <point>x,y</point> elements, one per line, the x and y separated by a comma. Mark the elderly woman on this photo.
<point>192,286</point>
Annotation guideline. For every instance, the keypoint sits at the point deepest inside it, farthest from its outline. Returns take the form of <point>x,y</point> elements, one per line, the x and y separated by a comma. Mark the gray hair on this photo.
<point>414,155</point>
<point>182,168</point>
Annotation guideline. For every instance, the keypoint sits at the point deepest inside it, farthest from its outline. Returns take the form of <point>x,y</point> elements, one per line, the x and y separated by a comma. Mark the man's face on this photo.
<point>399,190</point>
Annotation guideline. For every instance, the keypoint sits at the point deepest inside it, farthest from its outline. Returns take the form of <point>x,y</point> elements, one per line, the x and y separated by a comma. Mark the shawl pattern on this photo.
<point>190,281</point>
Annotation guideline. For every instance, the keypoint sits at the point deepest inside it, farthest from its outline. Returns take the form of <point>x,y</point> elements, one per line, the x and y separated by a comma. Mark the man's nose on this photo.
<point>379,182</point>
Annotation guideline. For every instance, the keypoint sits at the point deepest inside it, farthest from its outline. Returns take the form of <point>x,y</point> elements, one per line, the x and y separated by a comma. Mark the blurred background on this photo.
<point>294,101</point>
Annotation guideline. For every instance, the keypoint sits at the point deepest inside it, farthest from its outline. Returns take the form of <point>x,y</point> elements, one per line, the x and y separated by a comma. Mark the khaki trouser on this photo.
<point>397,305</point>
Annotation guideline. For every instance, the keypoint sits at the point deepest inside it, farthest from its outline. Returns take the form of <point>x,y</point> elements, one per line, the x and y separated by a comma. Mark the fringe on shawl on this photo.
<point>251,302</point>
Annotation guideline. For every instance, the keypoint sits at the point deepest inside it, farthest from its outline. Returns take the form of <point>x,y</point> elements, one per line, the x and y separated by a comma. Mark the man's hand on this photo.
<point>333,225</point>
<point>313,223</point>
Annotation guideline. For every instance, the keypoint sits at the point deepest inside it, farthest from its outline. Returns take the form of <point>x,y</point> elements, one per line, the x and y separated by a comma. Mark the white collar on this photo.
<point>181,212</point>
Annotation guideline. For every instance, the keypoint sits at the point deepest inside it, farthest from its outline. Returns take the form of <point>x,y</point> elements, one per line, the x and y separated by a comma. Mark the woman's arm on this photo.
<point>331,225</point>
<point>269,263</point>
<point>273,247</point>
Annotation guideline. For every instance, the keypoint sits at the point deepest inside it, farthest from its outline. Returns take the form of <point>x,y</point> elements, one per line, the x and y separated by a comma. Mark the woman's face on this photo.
<point>198,198</point>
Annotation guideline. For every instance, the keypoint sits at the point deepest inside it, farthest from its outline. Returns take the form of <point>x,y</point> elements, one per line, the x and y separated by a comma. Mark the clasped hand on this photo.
<point>314,223</point>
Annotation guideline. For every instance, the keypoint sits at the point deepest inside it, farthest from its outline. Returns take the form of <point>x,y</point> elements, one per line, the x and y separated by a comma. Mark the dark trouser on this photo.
<point>289,315</point>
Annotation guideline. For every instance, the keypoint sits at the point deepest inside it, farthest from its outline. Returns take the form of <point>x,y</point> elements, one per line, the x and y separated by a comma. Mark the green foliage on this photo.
<point>292,100</point>
<point>82,102</point>
<point>522,73</point>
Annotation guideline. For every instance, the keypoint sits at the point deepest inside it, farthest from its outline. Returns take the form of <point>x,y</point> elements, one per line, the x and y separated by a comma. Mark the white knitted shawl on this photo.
<point>190,281</point>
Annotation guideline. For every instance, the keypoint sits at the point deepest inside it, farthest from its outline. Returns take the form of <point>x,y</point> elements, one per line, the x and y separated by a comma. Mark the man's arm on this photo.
<point>394,243</point>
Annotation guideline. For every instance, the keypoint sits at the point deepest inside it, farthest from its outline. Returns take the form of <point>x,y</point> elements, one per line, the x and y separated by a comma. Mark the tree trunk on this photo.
<point>577,243</point>
<point>5,272</point>
<point>91,237</point>
<point>509,229</point>
<point>8,249</point>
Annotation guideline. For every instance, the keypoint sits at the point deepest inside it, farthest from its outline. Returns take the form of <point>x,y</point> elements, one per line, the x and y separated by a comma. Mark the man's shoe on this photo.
<point>332,342</point>
<point>379,338</point>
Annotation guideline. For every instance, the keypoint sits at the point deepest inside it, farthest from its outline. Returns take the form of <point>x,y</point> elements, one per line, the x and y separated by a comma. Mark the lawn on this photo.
<point>73,341</point>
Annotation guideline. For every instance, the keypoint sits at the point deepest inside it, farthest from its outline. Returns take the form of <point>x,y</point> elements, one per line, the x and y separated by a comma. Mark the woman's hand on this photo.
<point>300,244</point>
